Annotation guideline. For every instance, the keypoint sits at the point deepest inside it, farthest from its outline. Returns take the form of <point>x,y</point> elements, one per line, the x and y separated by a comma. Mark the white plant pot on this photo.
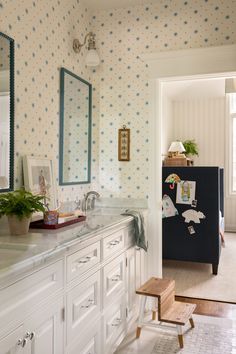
<point>18,226</point>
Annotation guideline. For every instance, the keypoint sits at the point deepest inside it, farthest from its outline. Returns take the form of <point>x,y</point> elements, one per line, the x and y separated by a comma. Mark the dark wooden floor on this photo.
<point>211,308</point>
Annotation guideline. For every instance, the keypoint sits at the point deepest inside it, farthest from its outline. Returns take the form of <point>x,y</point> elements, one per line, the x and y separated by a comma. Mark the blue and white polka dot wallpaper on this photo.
<point>44,32</point>
<point>122,35</point>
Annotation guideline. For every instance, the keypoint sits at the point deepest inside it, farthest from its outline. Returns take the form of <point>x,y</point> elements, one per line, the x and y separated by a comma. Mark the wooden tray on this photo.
<point>39,224</point>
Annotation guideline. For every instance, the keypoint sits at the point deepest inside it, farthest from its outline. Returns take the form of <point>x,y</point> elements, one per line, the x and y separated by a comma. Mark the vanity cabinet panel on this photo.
<point>41,333</point>
<point>90,341</point>
<point>82,260</point>
<point>113,279</point>
<point>44,330</point>
<point>10,344</point>
<point>114,323</point>
<point>18,299</point>
<point>131,271</point>
<point>113,243</point>
<point>82,305</point>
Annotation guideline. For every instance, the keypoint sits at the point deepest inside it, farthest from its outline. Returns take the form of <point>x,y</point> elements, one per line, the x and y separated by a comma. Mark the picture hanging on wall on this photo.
<point>39,178</point>
<point>185,192</point>
<point>124,144</point>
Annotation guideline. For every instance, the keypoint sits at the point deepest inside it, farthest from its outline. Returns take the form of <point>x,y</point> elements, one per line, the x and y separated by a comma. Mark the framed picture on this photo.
<point>124,144</point>
<point>39,178</point>
<point>186,192</point>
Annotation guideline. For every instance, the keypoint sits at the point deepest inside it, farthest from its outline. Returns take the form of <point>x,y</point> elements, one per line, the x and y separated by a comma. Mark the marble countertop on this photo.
<point>21,253</point>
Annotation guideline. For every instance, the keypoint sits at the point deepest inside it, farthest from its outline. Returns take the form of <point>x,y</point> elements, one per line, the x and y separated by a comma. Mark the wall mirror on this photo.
<point>6,113</point>
<point>75,129</point>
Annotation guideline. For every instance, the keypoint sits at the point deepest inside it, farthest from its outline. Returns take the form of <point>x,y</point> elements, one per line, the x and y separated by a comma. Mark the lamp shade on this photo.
<point>176,146</point>
<point>92,58</point>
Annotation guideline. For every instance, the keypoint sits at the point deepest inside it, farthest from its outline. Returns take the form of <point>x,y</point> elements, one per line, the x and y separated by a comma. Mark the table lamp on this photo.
<point>176,148</point>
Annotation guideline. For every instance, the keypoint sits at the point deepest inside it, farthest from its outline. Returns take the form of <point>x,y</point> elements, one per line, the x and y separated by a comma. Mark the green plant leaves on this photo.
<point>191,147</point>
<point>21,203</point>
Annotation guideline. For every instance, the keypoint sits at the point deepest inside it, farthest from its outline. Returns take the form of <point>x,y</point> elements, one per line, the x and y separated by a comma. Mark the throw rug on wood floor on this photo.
<point>196,279</point>
<point>205,338</point>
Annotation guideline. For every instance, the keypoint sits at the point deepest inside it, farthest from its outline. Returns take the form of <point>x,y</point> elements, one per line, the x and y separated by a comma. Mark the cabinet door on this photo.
<point>113,279</point>
<point>89,340</point>
<point>130,281</point>
<point>45,330</point>
<point>83,304</point>
<point>12,343</point>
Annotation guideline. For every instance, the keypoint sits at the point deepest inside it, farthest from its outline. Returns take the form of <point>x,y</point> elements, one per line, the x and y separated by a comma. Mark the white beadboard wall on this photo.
<point>204,119</point>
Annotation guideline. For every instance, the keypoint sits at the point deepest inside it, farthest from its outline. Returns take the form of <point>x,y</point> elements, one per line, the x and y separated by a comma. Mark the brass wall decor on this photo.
<point>124,144</point>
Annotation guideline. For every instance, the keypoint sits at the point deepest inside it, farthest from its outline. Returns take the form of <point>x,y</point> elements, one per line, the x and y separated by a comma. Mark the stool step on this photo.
<point>178,313</point>
<point>157,287</point>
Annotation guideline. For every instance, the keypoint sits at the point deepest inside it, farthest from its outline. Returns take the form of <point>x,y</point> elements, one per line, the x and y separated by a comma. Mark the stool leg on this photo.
<point>154,309</point>
<point>191,322</point>
<point>180,336</point>
<point>141,314</point>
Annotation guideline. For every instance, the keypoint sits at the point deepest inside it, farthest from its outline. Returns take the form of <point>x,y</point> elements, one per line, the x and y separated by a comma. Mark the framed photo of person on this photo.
<point>39,178</point>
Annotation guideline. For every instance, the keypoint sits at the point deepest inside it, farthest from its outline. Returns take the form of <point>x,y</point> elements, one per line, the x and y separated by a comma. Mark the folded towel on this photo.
<point>138,228</point>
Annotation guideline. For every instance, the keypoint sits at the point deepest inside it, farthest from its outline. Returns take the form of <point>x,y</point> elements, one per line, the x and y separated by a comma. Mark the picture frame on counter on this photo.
<point>39,178</point>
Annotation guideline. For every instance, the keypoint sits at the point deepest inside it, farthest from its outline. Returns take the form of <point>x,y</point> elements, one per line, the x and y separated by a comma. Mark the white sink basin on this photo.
<point>108,211</point>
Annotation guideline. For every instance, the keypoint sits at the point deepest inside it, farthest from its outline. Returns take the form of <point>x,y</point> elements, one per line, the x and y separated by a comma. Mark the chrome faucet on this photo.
<point>89,203</point>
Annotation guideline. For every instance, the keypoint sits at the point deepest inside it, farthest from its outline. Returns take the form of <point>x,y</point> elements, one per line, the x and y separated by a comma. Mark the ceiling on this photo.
<point>188,89</point>
<point>112,4</point>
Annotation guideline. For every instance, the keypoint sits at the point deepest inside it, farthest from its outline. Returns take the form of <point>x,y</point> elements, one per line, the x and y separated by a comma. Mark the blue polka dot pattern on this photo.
<point>123,78</point>
<point>44,32</point>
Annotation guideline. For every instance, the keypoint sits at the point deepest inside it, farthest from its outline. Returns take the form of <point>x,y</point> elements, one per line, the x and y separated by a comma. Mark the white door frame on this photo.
<point>166,66</point>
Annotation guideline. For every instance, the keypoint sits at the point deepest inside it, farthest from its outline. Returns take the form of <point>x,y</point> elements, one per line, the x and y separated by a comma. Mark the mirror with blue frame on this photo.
<point>75,129</point>
<point>6,113</point>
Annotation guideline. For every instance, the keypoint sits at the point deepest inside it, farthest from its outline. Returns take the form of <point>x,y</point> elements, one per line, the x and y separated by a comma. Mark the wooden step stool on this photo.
<point>169,310</point>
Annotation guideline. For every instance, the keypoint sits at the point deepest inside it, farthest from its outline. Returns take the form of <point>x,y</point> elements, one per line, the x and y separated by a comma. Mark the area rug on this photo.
<point>196,279</point>
<point>205,338</point>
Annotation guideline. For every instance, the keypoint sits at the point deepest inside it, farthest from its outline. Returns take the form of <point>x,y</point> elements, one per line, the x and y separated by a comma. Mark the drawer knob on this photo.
<point>116,278</point>
<point>113,243</point>
<point>90,303</point>
<point>117,322</point>
<point>22,342</point>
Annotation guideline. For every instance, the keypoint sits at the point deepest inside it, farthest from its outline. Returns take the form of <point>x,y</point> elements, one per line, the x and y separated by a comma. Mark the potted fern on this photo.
<point>191,149</point>
<point>18,206</point>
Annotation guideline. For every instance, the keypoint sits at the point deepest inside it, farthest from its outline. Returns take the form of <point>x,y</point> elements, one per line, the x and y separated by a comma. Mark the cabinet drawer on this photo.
<point>113,278</point>
<point>19,299</point>
<point>83,303</point>
<point>113,243</point>
<point>89,341</point>
<point>114,322</point>
<point>82,260</point>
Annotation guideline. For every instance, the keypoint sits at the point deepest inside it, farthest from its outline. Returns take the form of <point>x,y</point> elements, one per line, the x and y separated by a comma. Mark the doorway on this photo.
<point>171,66</point>
<point>198,109</point>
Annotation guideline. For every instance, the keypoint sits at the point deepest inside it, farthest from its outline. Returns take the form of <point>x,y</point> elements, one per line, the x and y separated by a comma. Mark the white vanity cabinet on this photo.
<point>33,329</point>
<point>10,344</point>
<point>82,303</point>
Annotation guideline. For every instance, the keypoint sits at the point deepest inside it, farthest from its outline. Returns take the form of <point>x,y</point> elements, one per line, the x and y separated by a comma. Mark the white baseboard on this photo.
<point>230,228</point>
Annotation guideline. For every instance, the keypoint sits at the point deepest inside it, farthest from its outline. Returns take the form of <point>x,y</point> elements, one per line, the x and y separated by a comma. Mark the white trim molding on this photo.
<point>166,66</point>
<point>198,61</point>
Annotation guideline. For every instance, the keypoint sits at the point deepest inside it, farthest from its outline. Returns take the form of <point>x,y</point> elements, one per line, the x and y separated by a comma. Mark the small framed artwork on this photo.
<point>185,192</point>
<point>39,178</point>
<point>124,144</point>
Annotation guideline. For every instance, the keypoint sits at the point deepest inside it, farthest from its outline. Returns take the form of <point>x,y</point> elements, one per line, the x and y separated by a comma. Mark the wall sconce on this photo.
<point>92,58</point>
